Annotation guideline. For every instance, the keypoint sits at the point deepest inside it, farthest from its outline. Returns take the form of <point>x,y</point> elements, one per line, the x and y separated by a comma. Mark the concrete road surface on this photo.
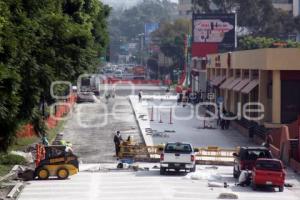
<point>92,125</point>
<point>147,185</point>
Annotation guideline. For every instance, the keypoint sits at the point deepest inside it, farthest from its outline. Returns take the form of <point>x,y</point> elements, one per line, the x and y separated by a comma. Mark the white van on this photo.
<point>118,74</point>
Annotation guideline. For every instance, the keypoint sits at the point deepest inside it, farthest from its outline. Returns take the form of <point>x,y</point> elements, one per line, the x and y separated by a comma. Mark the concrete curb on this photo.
<point>142,126</point>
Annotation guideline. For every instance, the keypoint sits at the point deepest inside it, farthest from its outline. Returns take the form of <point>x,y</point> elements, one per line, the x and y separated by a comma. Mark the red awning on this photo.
<point>250,86</point>
<point>241,85</point>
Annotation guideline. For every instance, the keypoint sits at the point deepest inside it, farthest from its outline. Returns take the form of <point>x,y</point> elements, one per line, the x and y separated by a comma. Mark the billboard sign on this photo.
<point>149,28</point>
<point>215,28</point>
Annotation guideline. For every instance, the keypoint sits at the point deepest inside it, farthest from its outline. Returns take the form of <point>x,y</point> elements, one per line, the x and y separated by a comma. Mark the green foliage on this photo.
<point>4,169</point>
<point>42,41</point>
<point>131,21</point>
<point>171,37</point>
<point>255,17</point>
<point>250,42</point>
<point>11,159</point>
<point>126,25</point>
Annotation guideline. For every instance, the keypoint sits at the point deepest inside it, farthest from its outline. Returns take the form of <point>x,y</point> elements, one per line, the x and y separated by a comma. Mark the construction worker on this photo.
<point>107,96</point>
<point>117,140</point>
<point>140,95</point>
<point>113,92</point>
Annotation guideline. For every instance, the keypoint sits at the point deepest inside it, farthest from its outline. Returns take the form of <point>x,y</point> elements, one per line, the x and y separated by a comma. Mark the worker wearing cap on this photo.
<point>117,140</point>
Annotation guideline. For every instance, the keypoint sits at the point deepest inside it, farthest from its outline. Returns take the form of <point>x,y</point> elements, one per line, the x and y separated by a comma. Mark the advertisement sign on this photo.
<point>149,28</point>
<point>215,28</point>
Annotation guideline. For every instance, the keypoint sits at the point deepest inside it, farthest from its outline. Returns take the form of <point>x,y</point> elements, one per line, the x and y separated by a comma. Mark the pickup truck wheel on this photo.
<point>281,188</point>
<point>193,169</point>
<point>162,171</point>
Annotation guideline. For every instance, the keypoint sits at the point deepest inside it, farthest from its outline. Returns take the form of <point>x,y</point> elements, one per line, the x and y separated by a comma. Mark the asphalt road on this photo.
<point>92,126</point>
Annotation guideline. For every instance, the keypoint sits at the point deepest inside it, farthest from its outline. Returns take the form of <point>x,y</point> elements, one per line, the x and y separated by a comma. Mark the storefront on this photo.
<point>270,77</point>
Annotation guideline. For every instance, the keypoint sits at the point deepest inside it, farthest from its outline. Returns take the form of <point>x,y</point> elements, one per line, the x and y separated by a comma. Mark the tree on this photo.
<point>256,17</point>
<point>125,25</point>
<point>250,42</point>
<point>171,37</point>
<point>153,66</point>
<point>211,6</point>
<point>9,79</point>
<point>42,41</point>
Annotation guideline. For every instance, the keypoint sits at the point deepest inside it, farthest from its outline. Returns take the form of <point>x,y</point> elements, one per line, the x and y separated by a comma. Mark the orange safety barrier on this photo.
<point>51,122</point>
<point>136,82</point>
<point>40,154</point>
<point>28,130</point>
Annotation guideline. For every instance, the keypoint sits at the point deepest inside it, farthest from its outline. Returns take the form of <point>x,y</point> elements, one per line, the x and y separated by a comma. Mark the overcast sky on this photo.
<point>126,3</point>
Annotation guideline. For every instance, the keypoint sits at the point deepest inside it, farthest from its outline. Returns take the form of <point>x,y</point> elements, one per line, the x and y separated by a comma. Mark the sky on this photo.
<point>127,3</point>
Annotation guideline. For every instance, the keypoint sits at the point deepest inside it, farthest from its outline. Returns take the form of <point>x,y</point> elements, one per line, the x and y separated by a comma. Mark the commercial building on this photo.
<point>267,76</point>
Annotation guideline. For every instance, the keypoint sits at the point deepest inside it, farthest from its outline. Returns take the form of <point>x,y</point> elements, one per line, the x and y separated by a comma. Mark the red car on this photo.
<point>268,172</point>
<point>245,158</point>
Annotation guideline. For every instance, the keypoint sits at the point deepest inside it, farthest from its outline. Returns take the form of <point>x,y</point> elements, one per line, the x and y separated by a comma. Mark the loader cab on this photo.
<point>55,160</point>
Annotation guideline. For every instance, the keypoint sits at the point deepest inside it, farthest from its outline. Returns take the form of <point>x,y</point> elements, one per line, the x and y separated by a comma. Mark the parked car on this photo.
<point>246,157</point>
<point>177,156</point>
<point>268,172</point>
<point>83,97</point>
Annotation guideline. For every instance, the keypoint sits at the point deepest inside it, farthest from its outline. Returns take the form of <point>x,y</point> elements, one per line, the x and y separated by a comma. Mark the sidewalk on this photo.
<point>184,130</point>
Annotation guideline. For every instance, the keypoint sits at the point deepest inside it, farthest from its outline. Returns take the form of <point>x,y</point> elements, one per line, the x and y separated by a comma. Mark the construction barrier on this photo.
<point>26,131</point>
<point>204,154</point>
<point>136,82</point>
<point>51,122</point>
<point>138,151</point>
<point>216,154</point>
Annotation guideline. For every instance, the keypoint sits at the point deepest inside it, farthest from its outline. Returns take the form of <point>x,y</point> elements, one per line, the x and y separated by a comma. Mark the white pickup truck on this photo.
<point>178,156</point>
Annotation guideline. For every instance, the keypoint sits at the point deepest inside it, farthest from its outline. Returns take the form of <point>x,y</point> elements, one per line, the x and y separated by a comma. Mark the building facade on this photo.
<point>267,76</point>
